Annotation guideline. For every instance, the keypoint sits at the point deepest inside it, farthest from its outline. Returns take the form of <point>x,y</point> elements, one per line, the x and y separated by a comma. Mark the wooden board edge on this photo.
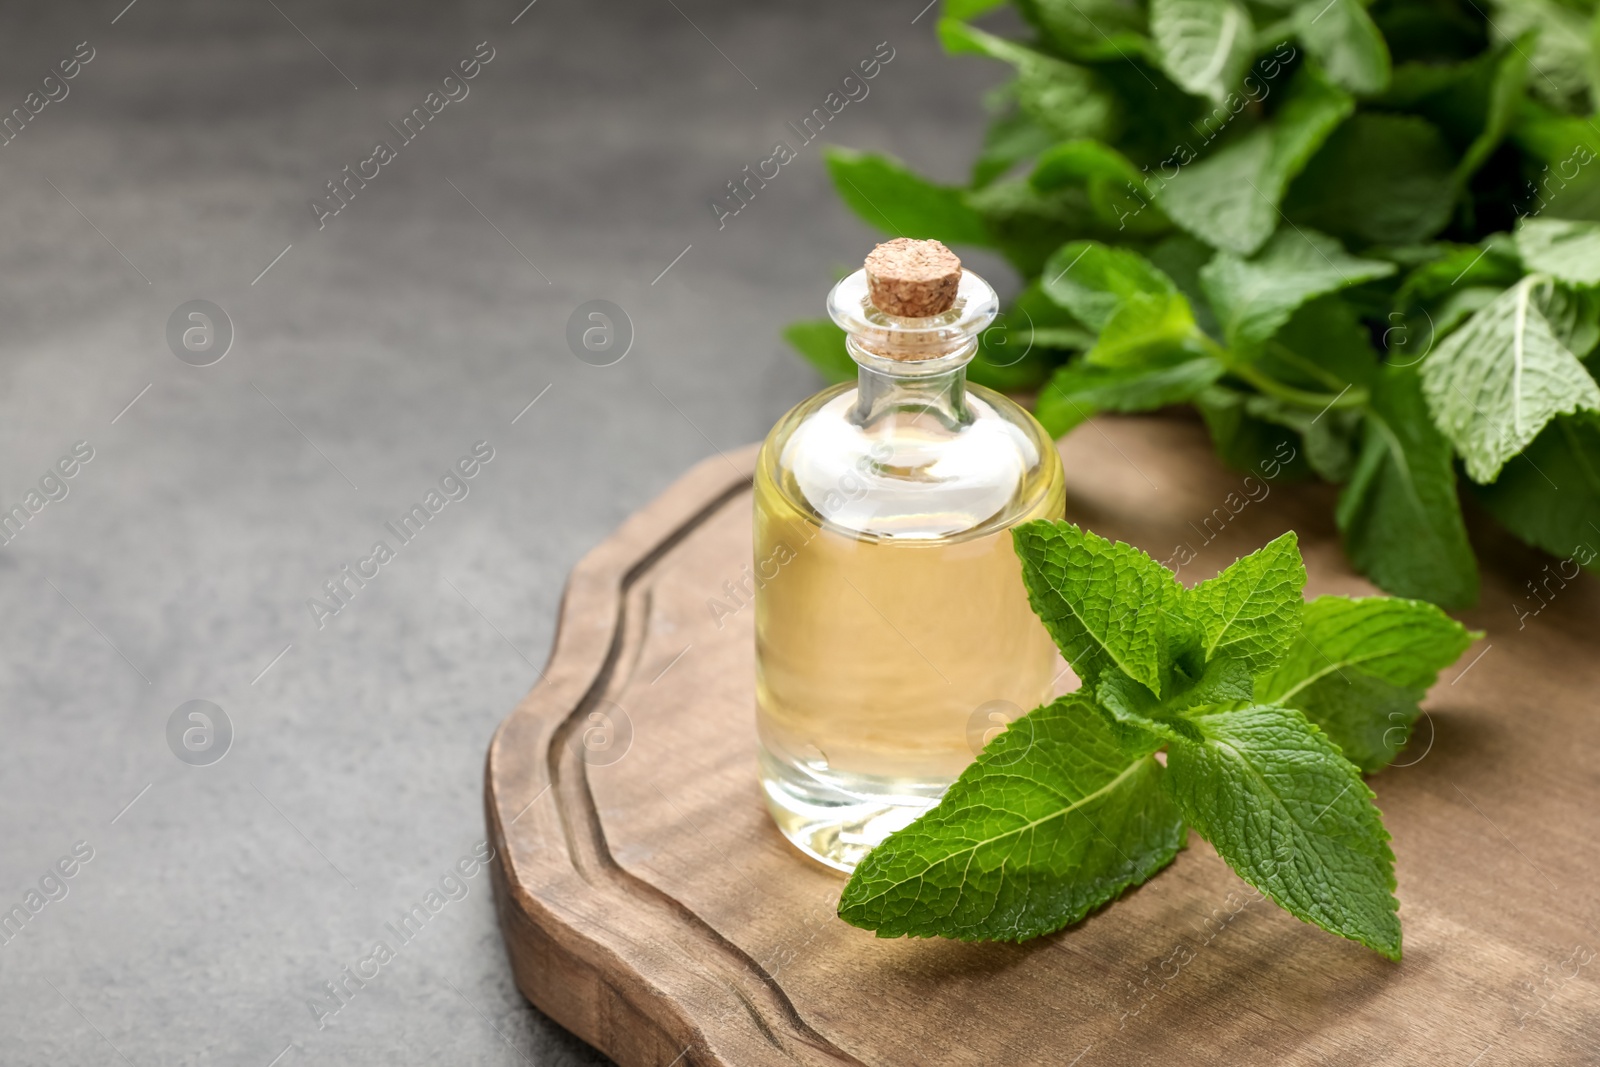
<point>641,1000</point>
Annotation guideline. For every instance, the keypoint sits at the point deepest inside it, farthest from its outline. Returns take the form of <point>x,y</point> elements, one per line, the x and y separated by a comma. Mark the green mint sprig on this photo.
<point>1369,229</point>
<point>1268,708</point>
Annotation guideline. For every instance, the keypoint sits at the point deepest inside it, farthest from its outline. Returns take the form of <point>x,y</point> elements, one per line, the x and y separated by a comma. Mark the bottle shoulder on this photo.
<point>912,477</point>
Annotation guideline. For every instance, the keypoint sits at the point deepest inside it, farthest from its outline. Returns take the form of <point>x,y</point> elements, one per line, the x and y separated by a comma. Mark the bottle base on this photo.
<point>837,819</point>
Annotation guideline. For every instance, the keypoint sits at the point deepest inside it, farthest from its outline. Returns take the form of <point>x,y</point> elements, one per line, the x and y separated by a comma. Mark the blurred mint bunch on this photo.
<point>1367,231</point>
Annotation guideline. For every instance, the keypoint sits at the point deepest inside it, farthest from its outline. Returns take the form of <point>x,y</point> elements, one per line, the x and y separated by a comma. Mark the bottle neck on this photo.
<point>912,369</point>
<point>888,389</point>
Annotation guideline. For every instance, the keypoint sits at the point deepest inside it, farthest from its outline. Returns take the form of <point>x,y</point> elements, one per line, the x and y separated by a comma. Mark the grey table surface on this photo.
<point>372,353</point>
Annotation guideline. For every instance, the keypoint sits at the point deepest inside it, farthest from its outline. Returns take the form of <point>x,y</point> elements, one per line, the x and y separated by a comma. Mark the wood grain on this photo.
<point>649,905</point>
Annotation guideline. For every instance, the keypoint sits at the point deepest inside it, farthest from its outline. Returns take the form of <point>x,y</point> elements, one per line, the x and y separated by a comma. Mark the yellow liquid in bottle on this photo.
<point>887,656</point>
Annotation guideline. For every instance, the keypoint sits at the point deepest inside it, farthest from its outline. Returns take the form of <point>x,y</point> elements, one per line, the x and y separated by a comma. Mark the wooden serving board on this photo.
<point>649,905</point>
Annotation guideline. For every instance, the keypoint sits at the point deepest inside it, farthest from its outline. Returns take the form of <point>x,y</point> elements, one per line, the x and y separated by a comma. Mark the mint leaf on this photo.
<point>1066,99</point>
<point>1180,256</point>
<point>1341,36</point>
<point>1573,316</point>
<point>1028,225</point>
<point>1203,45</point>
<point>1569,251</point>
<point>1010,139</point>
<point>1246,442</point>
<point>1457,266</point>
<point>1505,93</point>
<point>1089,29</point>
<point>1253,298</point>
<point>1380,178</point>
<point>821,343</point>
<point>1249,611</point>
<point>1069,338</point>
<point>1559,52</point>
<point>1474,101</point>
<point>1550,497</point>
<point>1230,198</point>
<point>1138,312</point>
<point>1325,346</point>
<point>1404,642</point>
<point>1050,324</point>
<point>1498,380</point>
<point>1399,514</point>
<point>887,195</point>
<point>1139,714</point>
<point>1292,817</point>
<point>1145,330</point>
<point>1414,83</point>
<point>1328,437</point>
<point>1079,389</point>
<point>1079,161</point>
<point>1055,818</point>
<point>1094,281</point>
<point>968,9</point>
<point>1020,349</point>
<point>1359,667</point>
<point>1108,606</point>
<point>1553,138</point>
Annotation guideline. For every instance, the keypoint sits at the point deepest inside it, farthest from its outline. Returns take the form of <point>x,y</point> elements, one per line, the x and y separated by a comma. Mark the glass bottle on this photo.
<point>893,633</point>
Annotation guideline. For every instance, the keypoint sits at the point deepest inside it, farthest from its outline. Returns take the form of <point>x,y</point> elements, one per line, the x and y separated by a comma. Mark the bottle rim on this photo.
<point>913,346</point>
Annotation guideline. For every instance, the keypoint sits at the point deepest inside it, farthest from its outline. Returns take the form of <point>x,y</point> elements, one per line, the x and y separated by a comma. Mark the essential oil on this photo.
<point>892,628</point>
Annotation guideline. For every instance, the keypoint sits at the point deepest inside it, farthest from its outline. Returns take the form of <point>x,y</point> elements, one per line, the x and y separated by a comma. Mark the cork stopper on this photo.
<point>912,279</point>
